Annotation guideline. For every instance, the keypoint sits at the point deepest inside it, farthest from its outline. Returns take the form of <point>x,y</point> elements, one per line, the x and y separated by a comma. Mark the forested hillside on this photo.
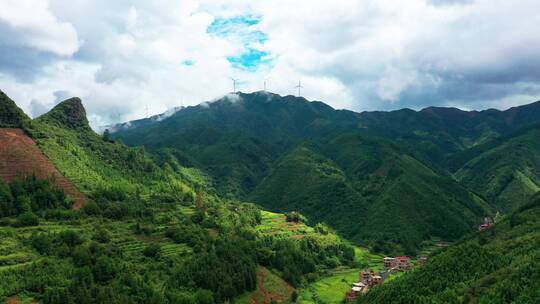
<point>372,192</point>
<point>500,265</point>
<point>506,171</point>
<point>237,138</point>
<point>397,186</point>
<point>149,234</point>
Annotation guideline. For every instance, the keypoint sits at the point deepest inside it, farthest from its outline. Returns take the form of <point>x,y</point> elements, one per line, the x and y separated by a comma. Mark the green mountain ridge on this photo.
<point>252,146</point>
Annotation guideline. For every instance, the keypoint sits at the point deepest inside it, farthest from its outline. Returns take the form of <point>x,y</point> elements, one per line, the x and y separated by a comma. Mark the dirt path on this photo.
<point>20,155</point>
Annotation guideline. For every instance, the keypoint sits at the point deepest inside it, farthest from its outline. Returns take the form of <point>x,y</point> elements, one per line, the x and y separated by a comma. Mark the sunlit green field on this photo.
<point>332,288</point>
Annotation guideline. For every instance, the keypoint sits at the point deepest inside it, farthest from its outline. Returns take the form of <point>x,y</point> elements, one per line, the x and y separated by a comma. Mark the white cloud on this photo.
<point>35,26</point>
<point>121,57</point>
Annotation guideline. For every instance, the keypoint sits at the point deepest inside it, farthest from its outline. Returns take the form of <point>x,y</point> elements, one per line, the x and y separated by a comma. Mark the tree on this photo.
<point>27,219</point>
<point>294,296</point>
<point>152,251</point>
<point>106,135</point>
<point>204,296</point>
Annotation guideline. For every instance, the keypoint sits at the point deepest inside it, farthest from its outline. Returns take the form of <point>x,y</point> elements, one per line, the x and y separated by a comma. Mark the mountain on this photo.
<point>267,125</point>
<point>433,134</point>
<point>20,155</point>
<point>69,114</point>
<point>505,171</point>
<point>236,138</point>
<point>263,146</point>
<point>372,191</point>
<point>499,265</point>
<point>147,233</point>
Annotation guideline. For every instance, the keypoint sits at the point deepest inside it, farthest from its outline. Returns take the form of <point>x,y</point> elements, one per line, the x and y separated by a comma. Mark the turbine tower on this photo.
<point>299,86</point>
<point>234,84</point>
<point>265,81</point>
<point>146,109</point>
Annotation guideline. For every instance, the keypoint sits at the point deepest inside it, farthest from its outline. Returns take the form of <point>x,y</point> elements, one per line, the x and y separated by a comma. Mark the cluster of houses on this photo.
<point>369,278</point>
<point>488,222</point>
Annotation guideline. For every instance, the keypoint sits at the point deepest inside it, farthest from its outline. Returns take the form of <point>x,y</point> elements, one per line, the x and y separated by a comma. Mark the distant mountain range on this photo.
<point>388,179</point>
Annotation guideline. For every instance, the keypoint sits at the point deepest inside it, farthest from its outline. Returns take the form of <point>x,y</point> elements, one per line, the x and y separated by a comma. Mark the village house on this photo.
<point>365,276</point>
<point>376,279</point>
<point>400,263</point>
<point>403,263</point>
<point>389,262</point>
<point>356,290</point>
<point>370,278</point>
<point>422,260</point>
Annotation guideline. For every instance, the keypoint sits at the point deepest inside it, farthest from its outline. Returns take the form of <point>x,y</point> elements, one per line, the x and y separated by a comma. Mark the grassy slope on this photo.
<point>506,173</point>
<point>498,266</point>
<point>90,162</point>
<point>371,192</point>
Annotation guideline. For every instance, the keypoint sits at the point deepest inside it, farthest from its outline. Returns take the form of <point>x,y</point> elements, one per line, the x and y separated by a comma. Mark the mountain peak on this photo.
<point>11,115</point>
<point>70,113</point>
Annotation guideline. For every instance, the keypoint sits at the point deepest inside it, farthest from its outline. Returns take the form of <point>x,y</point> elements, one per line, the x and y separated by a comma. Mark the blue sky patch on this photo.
<point>224,27</point>
<point>188,62</point>
<point>250,60</point>
<point>242,29</point>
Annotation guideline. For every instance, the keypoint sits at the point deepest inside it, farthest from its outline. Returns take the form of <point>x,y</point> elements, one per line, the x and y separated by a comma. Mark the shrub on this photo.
<point>27,219</point>
<point>204,296</point>
<point>102,235</point>
<point>70,238</point>
<point>152,251</point>
<point>296,217</point>
<point>91,208</point>
<point>42,243</point>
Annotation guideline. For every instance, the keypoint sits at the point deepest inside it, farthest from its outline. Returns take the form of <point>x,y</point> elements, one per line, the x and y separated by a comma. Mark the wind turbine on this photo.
<point>146,109</point>
<point>265,81</point>
<point>299,86</point>
<point>234,84</point>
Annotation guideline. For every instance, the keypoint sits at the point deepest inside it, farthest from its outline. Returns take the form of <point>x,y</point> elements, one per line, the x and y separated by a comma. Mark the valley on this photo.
<point>267,199</point>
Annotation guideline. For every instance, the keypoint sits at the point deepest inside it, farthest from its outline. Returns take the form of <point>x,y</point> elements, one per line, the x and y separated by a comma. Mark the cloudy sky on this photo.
<point>122,56</point>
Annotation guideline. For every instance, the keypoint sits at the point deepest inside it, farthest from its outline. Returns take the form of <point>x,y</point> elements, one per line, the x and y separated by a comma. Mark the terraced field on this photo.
<point>276,224</point>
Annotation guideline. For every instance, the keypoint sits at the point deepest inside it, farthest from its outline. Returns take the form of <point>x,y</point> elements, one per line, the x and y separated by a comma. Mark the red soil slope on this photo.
<point>20,155</point>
